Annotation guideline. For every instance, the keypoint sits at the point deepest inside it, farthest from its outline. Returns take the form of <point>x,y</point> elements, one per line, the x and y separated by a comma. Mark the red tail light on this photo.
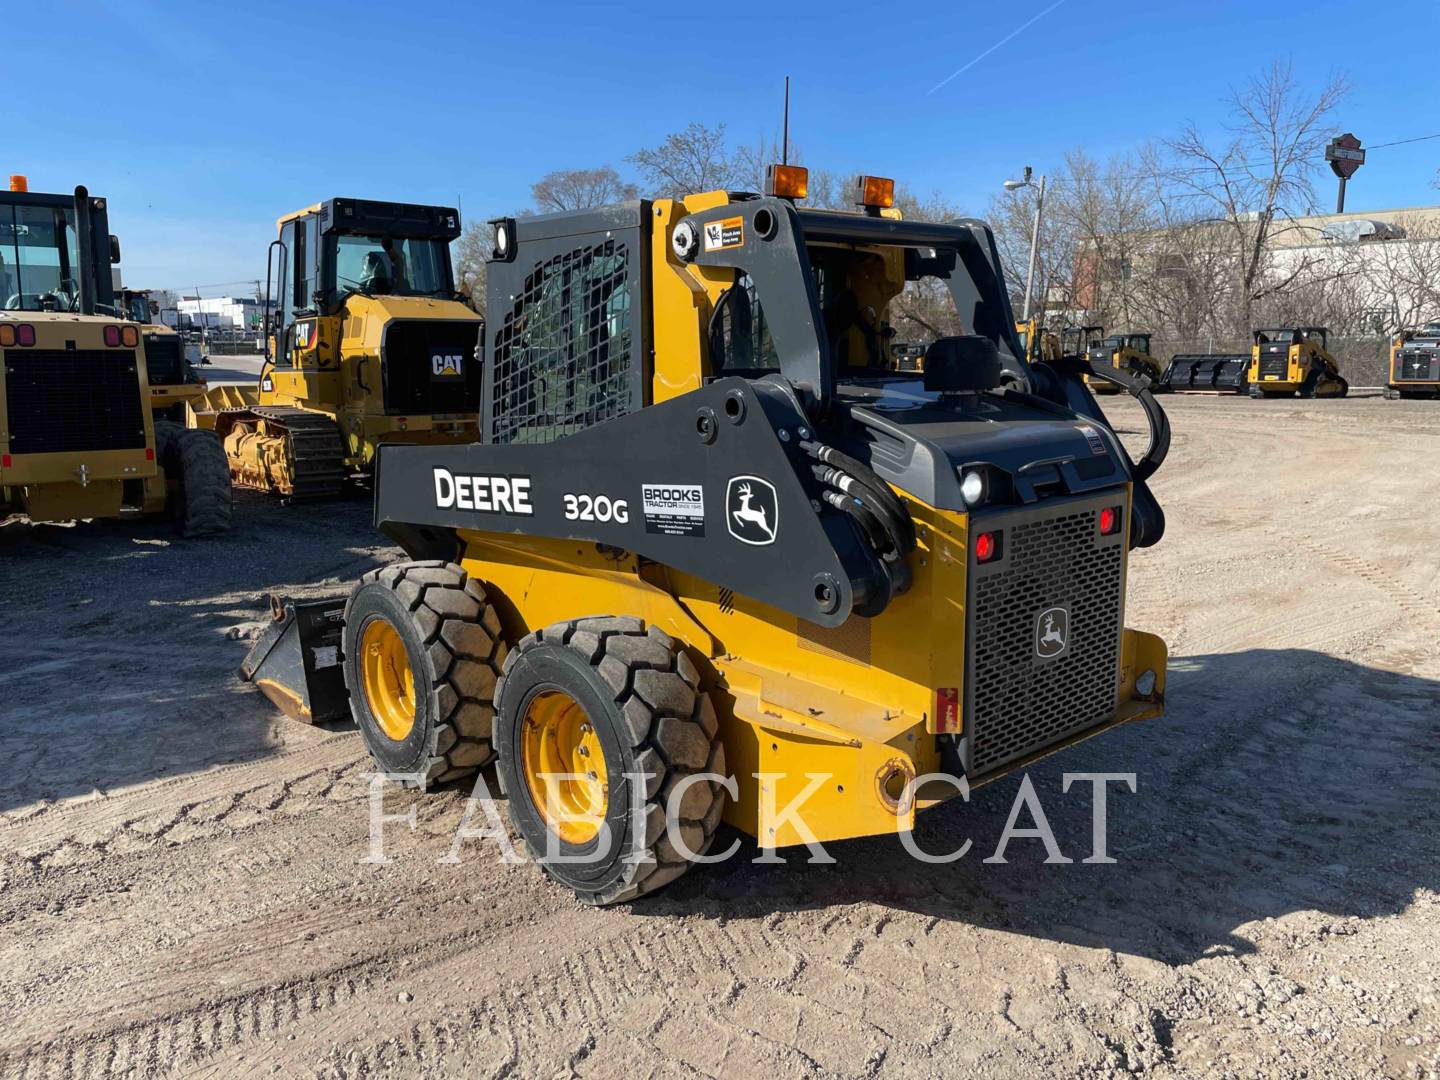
<point>947,709</point>
<point>25,334</point>
<point>112,336</point>
<point>149,453</point>
<point>1109,521</point>
<point>5,461</point>
<point>987,547</point>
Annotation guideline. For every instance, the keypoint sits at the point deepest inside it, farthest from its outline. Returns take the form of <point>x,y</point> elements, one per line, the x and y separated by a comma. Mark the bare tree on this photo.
<point>580,189</point>
<point>696,159</point>
<point>471,251</point>
<point>1262,174</point>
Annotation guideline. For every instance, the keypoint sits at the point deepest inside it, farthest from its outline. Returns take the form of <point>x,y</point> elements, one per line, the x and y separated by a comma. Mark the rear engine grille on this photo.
<point>60,401</point>
<point>1418,365</point>
<point>164,359</point>
<point>430,367</point>
<point>1275,363</point>
<point>1016,701</point>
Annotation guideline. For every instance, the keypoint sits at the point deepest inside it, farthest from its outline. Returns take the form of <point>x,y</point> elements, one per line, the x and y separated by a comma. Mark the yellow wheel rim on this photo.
<point>387,678</point>
<point>564,766</point>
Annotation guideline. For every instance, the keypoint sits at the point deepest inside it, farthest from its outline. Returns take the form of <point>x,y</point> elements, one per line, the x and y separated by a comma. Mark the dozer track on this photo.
<point>317,461</point>
<point>314,459</point>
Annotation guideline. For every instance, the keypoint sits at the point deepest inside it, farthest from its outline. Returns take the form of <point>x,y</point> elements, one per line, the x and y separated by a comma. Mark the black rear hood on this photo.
<point>918,443</point>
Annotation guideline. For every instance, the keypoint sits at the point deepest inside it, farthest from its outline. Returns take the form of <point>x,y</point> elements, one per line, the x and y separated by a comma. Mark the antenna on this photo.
<point>785,127</point>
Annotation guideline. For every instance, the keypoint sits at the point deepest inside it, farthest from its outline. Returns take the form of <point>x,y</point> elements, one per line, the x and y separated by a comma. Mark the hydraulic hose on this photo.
<point>896,537</point>
<point>880,492</point>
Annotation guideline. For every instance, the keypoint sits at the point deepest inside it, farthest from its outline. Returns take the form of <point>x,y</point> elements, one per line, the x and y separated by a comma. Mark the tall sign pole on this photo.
<point>785,128</point>
<point>1345,157</point>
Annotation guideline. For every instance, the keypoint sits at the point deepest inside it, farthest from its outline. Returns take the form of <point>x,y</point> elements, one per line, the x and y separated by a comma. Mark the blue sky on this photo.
<point>203,122</point>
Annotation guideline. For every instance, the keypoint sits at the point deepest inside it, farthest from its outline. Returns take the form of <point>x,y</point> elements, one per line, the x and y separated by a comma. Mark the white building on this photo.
<point>242,313</point>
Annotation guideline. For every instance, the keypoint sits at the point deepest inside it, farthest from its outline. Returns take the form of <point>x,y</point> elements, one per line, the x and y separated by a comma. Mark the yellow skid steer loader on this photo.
<point>709,559</point>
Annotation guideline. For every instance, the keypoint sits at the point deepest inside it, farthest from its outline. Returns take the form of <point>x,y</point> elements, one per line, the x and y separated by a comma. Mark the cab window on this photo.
<point>39,259</point>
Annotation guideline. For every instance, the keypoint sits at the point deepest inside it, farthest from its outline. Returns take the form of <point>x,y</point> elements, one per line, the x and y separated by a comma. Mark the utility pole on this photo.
<point>1016,185</point>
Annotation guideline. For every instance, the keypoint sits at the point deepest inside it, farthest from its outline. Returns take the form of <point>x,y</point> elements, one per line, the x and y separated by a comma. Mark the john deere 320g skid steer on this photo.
<point>704,534</point>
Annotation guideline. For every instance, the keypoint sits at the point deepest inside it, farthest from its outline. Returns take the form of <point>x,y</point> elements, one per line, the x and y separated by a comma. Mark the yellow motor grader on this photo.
<point>369,345</point>
<point>77,435</point>
<point>710,559</point>
<point>174,382</point>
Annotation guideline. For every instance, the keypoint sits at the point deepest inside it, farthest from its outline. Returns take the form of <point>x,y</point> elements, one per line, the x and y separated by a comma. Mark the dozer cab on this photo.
<point>1415,363</point>
<point>1124,352</point>
<point>1037,342</point>
<point>707,558</point>
<point>1294,361</point>
<point>78,438</point>
<point>174,382</point>
<point>369,345</point>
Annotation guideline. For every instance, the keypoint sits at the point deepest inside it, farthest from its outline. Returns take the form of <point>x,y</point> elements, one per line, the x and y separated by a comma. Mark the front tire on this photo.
<point>423,650</point>
<point>599,724</point>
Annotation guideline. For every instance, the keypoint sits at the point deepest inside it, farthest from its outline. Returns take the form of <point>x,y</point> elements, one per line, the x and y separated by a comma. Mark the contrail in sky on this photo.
<point>1003,41</point>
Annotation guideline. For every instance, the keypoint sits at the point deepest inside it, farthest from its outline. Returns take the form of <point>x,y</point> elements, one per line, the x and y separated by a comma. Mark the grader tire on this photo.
<point>655,723</point>
<point>452,649</point>
<point>202,502</point>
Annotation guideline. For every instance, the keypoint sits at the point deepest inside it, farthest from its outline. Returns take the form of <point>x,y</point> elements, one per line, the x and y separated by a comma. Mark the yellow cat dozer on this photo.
<point>712,558</point>
<point>370,344</point>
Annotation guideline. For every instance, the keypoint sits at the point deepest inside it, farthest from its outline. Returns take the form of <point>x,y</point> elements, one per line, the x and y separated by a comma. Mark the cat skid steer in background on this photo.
<point>706,532</point>
<point>1123,352</point>
<point>1415,363</point>
<point>1295,361</point>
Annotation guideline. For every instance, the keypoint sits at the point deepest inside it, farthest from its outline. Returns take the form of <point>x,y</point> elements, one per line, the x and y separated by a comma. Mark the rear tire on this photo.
<point>448,657</point>
<point>642,701</point>
<point>202,503</point>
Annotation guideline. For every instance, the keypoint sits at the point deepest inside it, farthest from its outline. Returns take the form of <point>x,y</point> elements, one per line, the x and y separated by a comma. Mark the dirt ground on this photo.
<point>181,885</point>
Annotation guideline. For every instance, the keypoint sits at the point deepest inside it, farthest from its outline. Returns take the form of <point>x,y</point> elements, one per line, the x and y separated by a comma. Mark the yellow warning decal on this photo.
<point>726,233</point>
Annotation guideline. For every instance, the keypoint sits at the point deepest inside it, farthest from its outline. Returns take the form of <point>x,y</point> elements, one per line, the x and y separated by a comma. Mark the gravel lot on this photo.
<point>181,885</point>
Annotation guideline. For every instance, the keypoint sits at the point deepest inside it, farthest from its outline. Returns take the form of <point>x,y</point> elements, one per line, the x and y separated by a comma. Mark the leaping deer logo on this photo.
<point>1052,632</point>
<point>753,510</point>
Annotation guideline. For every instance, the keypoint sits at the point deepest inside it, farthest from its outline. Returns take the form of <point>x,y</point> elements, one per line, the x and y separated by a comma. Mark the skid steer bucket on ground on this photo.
<point>296,661</point>
<point>1206,371</point>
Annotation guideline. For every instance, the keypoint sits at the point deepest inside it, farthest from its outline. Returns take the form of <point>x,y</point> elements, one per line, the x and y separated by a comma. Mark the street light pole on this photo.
<point>1016,185</point>
<point>1034,247</point>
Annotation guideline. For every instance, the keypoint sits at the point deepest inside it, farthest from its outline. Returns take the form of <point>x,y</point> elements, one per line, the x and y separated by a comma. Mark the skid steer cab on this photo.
<point>1295,362</point>
<point>713,559</point>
